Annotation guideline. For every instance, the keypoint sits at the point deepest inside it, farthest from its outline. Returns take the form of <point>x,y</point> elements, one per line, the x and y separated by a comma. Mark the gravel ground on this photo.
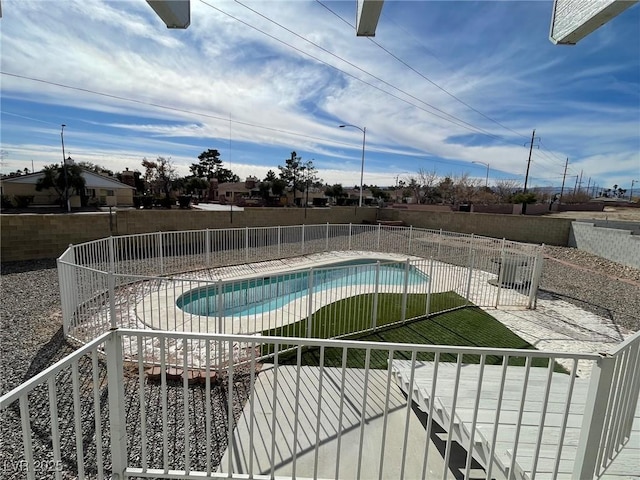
<point>31,339</point>
<point>593,283</point>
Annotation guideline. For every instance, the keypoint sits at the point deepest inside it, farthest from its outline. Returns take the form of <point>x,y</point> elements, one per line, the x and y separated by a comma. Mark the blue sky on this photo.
<point>443,84</point>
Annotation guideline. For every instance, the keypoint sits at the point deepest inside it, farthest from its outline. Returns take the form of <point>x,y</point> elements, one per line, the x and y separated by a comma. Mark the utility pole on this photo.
<point>588,185</point>
<point>64,169</point>
<point>580,182</point>
<point>564,176</point>
<point>575,187</point>
<point>526,177</point>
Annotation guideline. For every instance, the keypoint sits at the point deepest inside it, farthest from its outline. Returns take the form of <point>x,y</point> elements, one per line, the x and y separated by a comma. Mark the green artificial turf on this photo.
<point>354,314</point>
<point>469,326</point>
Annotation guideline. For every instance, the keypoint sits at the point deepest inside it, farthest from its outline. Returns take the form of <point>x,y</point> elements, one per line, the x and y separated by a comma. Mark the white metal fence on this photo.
<point>295,407</point>
<point>136,280</point>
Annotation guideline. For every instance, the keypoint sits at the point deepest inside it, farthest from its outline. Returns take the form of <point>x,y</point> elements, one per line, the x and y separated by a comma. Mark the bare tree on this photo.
<point>422,186</point>
<point>505,189</point>
<point>159,175</point>
<point>465,188</point>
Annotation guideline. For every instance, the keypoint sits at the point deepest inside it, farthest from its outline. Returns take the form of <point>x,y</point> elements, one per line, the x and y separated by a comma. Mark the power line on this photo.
<point>462,123</point>
<point>166,107</point>
<point>4,112</point>
<point>403,62</point>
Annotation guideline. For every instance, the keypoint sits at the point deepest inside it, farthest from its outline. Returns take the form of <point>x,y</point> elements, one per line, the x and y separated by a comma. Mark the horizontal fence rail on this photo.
<point>612,399</point>
<point>303,408</point>
<point>137,280</point>
<point>59,420</point>
<point>189,370</point>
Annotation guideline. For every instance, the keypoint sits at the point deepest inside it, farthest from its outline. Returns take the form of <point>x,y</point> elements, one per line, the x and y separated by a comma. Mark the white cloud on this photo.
<point>225,70</point>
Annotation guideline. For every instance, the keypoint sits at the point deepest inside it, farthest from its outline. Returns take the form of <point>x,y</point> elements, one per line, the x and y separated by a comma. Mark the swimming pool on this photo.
<point>261,295</point>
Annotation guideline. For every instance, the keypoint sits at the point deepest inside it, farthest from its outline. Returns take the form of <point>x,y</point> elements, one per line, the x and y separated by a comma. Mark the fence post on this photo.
<point>500,273</point>
<point>246,243</point>
<point>220,324</point>
<point>207,238</point>
<point>68,280</point>
<point>472,255</point>
<point>350,237</point>
<point>405,290</point>
<point>535,280</point>
<point>374,313</point>
<point>279,239</point>
<point>310,304</point>
<point>117,410</point>
<point>303,239</point>
<point>159,251</point>
<point>326,245</point>
<point>410,238</point>
<point>112,299</point>
<point>112,283</point>
<point>112,255</point>
<point>378,245</point>
<point>428,309</point>
<point>439,243</point>
<point>595,411</point>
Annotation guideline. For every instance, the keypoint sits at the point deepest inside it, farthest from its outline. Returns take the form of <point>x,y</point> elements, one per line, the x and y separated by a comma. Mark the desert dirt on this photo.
<point>628,214</point>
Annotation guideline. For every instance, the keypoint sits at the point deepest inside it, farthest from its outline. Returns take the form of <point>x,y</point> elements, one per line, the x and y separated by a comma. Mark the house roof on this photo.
<point>92,180</point>
<point>236,187</point>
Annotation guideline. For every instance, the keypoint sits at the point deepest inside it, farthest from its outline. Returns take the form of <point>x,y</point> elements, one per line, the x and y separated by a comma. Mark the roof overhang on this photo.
<point>174,13</point>
<point>367,17</point>
<point>572,20</point>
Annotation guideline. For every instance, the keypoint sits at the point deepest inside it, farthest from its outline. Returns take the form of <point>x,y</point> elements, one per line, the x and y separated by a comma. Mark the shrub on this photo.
<point>23,201</point>
<point>147,202</point>
<point>184,201</point>
<point>6,202</point>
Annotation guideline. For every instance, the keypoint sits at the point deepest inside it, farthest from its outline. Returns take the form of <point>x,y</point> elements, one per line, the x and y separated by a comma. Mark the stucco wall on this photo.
<point>612,243</point>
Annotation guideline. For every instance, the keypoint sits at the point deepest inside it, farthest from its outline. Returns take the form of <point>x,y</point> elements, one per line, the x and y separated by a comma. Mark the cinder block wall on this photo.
<point>27,237</point>
<point>143,221</point>
<point>611,243</point>
<point>531,229</point>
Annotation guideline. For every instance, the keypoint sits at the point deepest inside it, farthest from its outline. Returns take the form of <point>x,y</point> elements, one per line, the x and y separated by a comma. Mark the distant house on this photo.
<point>232,192</point>
<point>99,190</point>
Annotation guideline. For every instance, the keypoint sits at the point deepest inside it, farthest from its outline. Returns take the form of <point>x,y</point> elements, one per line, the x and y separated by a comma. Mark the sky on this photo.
<point>452,87</point>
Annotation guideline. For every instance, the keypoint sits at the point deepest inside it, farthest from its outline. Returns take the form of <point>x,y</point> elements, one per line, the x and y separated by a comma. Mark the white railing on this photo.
<point>177,404</point>
<point>290,407</point>
<point>62,417</point>
<point>611,403</point>
<point>99,279</point>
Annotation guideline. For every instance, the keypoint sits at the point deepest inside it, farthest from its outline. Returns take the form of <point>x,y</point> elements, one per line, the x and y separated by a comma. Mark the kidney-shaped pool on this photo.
<point>263,294</point>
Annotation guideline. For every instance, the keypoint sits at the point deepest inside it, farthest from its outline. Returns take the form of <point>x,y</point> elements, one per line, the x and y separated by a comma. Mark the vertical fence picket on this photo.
<point>310,304</point>
<point>472,256</point>
<point>374,309</point>
<point>405,290</point>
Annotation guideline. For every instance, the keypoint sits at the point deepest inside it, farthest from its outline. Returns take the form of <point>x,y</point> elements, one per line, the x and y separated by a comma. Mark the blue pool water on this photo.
<point>261,295</point>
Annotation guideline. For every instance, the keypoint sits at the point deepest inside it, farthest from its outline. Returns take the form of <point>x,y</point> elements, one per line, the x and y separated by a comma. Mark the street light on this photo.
<point>486,182</point>
<point>397,177</point>
<point>64,169</point>
<point>364,138</point>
